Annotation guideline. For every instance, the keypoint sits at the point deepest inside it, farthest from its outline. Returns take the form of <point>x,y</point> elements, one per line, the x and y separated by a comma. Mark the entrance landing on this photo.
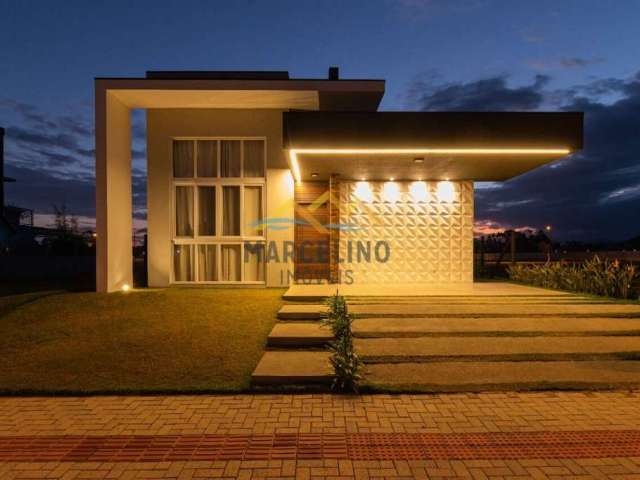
<point>483,289</point>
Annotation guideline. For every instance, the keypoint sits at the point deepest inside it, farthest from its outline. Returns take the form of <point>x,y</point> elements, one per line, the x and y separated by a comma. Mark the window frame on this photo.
<point>218,182</point>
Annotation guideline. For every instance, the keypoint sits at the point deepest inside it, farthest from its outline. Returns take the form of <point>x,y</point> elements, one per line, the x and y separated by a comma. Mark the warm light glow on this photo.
<point>434,151</point>
<point>548,228</point>
<point>391,192</point>
<point>126,288</point>
<point>446,192</point>
<point>295,166</point>
<point>418,191</point>
<point>363,192</point>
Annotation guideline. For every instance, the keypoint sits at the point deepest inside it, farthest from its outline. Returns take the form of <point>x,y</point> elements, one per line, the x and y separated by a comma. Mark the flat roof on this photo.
<point>481,146</point>
<point>432,129</point>
<point>218,74</point>
<point>200,90</point>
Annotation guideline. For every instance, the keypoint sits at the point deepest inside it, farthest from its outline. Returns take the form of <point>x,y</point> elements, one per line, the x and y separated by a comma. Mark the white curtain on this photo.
<point>206,210</point>
<point>183,158</point>
<point>207,269</point>
<point>230,158</point>
<point>207,158</point>
<point>254,158</point>
<point>184,211</point>
<point>183,263</point>
<point>254,264</point>
<point>231,263</point>
<point>253,211</point>
<point>231,211</point>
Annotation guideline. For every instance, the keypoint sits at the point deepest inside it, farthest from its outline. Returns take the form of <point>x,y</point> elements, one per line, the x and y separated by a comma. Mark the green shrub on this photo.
<point>344,359</point>
<point>609,278</point>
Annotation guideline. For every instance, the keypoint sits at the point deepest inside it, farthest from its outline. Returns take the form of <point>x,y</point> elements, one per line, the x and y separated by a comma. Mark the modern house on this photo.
<point>258,179</point>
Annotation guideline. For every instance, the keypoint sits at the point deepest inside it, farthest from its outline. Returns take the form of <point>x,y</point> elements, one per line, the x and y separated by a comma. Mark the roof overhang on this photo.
<point>275,94</point>
<point>478,146</point>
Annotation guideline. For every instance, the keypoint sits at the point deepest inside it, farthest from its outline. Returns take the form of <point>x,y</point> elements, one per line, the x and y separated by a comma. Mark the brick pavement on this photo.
<point>491,435</point>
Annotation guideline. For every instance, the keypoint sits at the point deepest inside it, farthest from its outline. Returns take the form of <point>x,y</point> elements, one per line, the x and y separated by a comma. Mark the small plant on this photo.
<point>609,278</point>
<point>344,359</point>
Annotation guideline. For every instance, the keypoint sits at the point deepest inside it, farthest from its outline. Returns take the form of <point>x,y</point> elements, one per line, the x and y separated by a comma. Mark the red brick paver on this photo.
<point>352,446</point>
<point>493,435</point>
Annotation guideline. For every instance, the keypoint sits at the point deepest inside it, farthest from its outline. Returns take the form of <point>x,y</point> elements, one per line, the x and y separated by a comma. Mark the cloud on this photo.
<point>489,227</point>
<point>39,190</point>
<point>591,195</point>
<point>621,195</point>
<point>52,157</point>
<point>34,139</point>
<point>578,62</point>
<point>488,94</point>
<point>563,63</point>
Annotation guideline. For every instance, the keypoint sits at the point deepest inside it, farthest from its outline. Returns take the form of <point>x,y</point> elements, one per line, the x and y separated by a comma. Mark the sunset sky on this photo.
<point>475,55</point>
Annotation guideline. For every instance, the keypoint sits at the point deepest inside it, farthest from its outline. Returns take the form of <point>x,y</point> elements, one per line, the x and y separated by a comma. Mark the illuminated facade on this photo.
<point>261,180</point>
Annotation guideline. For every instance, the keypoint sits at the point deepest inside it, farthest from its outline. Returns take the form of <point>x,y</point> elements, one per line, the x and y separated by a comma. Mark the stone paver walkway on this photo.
<point>489,435</point>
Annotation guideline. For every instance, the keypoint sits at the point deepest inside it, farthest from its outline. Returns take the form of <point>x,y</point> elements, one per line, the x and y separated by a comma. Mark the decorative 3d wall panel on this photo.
<point>427,226</point>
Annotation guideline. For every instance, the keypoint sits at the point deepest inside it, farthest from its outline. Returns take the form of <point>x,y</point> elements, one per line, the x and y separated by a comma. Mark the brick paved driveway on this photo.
<point>493,435</point>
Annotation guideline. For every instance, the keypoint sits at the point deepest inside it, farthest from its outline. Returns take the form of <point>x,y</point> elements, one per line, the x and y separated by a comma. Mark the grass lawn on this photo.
<point>169,340</point>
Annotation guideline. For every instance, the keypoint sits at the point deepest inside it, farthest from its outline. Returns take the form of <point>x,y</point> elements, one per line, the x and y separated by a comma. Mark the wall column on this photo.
<point>280,204</point>
<point>114,256</point>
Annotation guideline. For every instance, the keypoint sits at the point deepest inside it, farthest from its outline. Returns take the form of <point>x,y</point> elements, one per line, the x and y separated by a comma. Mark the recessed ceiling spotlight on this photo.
<point>314,175</point>
<point>418,160</point>
<point>391,179</point>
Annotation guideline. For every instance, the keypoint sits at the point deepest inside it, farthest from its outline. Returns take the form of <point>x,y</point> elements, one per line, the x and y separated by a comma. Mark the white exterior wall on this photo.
<point>280,205</point>
<point>429,241</point>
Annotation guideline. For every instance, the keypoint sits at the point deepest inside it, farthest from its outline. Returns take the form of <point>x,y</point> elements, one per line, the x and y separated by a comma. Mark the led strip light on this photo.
<point>295,166</point>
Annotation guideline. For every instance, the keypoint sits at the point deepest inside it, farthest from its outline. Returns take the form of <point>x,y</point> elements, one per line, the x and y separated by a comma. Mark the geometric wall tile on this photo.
<point>427,240</point>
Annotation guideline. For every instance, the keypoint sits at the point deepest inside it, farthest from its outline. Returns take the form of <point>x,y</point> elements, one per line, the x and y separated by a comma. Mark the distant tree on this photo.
<point>64,221</point>
<point>68,240</point>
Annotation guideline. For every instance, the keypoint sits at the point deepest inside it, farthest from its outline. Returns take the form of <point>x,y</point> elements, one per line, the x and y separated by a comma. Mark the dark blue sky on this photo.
<point>434,54</point>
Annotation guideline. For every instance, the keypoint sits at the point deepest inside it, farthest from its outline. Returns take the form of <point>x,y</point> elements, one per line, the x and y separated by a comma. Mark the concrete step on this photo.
<point>494,326</point>
<point>306,311</point>
<point>317,292</point>
<point>485,376</point>
<point>301,311</point>
<point>480,301</point>
<point>486,349</point>
<point>293,367</point>
<point>493,310</point>
<point>299,335</point>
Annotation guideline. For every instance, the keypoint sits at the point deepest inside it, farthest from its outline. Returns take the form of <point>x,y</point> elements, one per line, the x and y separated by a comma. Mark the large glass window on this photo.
<point>183,263</point>
<point>230,158</point>
<point>207,265</point>
<point>218,206</point>
<point>253,211</point>
<point>254,158</point>
<point>206,210</point>
<point>231,263</point>
<point>184,211</point>
<point>254,262</point>
<point>231,211</point>
<point>207,158</point>
<point>182,159</point>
